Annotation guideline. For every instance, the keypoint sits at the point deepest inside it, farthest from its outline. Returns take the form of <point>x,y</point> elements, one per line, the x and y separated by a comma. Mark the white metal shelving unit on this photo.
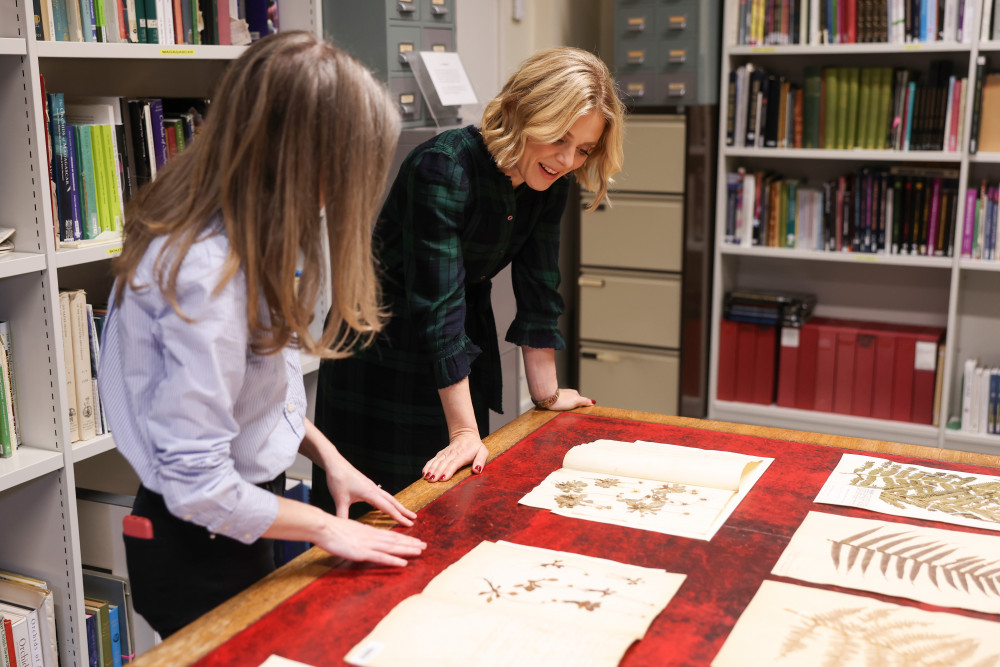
<point>959,294</point>
<point>38,517</point>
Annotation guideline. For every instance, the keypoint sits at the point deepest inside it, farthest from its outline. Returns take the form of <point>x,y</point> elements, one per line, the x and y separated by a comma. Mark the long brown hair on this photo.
<point>294,122</point>
<point>549,92</point>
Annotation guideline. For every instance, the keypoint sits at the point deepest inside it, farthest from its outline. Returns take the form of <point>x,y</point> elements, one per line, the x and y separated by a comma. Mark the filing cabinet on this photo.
<point>384,35</point>
<point>631,269</point>
<point>666,51</point>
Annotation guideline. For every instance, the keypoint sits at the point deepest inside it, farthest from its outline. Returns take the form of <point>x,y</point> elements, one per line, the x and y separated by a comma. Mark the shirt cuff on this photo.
<point>454,363</point>
<point>535,335</point>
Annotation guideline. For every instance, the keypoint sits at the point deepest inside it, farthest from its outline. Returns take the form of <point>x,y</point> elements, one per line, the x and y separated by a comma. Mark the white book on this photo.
<point>969,20</point>
<point>985,28</point>
<point>814,34</point>
<point>133,23</point>
<point>22,634</point>
<point>984,398</point>
<point>740,106</point>
<point>69,372</point>
<point>74,20</point>
<point>80,340</point>
<point>34,593</point>
<point>803,22</point>
<point>165,10</point>
<point>949,30</point>
<point>112,20</point>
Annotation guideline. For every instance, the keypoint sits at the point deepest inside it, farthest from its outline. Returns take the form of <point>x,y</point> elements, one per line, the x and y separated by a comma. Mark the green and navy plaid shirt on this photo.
<point>450,223</point>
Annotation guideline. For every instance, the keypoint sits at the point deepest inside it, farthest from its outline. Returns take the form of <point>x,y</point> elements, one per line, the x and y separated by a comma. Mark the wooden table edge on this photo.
<point>216,627</point>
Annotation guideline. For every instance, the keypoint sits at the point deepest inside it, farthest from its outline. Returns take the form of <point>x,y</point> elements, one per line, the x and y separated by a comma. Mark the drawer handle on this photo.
<point>677,22</point>
<point>589,282</point>
<point>439,11</point>
<point>405,7</point>
<point>608,357</point>
<point>676,90</point>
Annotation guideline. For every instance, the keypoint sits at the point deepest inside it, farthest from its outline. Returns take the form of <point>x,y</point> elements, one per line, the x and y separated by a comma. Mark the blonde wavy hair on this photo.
<point>541,101</point>
<point>294,122</point>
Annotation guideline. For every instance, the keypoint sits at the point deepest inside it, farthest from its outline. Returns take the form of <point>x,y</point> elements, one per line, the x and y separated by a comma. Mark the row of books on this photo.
<point>10,432</point>
<point>767,22</point>
<point>102,149</point>
<point>847,107</point>
<point>902,210</point>
<point>27,622</point>
<point>979,228</point>
<point>980,398</point>
<point>81,335</point>
<point>152,21</point>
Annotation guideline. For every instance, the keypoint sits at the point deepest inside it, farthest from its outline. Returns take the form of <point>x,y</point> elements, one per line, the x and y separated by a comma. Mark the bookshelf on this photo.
<point>952,292</point>
<point>39,533</point>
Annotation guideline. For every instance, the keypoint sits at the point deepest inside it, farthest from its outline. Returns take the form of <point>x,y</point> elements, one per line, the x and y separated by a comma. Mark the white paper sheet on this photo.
<point>449,78</point>
<point>916,491</point>
<point>664,488</point>
<point>947,568</point>
<point>786,624</point>
<point>507,604</point>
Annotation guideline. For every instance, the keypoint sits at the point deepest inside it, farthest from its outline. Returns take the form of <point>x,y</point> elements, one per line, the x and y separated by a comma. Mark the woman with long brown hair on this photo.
<point>200,373</point>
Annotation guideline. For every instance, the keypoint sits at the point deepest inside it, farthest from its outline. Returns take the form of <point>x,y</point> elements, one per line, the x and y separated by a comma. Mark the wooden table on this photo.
<point>214,628</point>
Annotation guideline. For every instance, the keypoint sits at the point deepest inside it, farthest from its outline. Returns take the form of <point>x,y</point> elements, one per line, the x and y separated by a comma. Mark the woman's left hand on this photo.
<point>347,486</point>
<point>570,399</point>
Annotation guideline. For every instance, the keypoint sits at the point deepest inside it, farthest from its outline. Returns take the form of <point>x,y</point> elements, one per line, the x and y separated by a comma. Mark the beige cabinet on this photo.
<point>631,263</point>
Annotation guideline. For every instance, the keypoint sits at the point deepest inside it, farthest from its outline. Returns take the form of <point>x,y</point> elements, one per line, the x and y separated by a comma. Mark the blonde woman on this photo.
<point>199,373</point>
<point>464,205</point>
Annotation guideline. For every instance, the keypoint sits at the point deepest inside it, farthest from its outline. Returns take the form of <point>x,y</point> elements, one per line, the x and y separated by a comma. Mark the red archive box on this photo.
<point>747,354</point>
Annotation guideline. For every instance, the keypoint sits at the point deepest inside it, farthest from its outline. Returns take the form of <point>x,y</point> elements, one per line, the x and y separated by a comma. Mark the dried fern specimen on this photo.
<point>904,555</point>
<point>935,491</point>
<point>879,636</point>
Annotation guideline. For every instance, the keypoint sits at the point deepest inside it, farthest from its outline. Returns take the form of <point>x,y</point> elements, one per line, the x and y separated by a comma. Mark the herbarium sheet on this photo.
<point>948,568</point>
<point>901,489</point>
<point>786,624</point>
<point>506,604</point>
<point>665,488</point>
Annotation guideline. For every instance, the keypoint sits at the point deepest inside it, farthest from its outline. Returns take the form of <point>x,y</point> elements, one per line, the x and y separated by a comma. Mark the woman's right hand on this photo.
<point>464,447</point>
<point>356,541</point>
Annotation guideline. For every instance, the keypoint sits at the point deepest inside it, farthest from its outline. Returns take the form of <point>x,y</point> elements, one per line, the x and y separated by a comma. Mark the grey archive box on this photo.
<point>667,51</point>
<point>384,35</point>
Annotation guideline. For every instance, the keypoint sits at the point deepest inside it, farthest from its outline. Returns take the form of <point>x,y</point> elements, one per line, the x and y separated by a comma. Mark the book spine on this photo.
<point>159,131</point>
<point>69,372</point>
<point>74,183</point>
<point>81,364</point>
<point>977,106</point>
<point>7,443</point>
<point>7,344</point>
<point>85,151</point>
<point>62,158</point>
<point>935,212</point>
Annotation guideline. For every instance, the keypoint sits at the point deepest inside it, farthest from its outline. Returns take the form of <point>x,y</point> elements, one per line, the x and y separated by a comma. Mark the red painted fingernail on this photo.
<point>433,477</point>
<point>593,402</point>
<point>479,468</point>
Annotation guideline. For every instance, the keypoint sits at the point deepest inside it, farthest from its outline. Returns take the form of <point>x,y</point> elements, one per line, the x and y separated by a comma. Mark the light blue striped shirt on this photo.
<point>198,415</point>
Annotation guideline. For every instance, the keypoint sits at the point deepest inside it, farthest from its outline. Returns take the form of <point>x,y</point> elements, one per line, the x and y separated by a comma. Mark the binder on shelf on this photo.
<point>864,374</point>
<point>844,374</point>
<point>764,375</point>
<point>746,349</point>
<point>826,366</point>
<point>726,379</point>
<point>885,360</point>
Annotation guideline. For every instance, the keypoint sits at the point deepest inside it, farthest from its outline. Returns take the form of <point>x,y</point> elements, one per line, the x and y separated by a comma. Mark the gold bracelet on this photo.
<point>545,403</point>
